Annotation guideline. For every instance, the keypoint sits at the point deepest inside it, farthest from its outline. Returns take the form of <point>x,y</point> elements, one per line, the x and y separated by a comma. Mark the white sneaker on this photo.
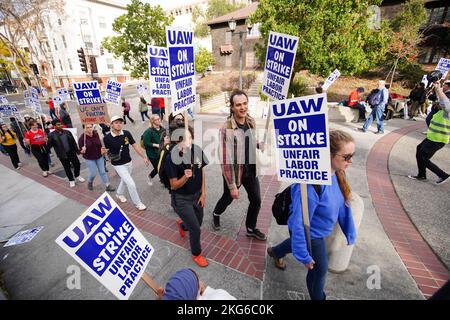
<point>72,184</point>
<point>149,182</point>
<point>19,164</point>
<point>80,179</point>
<point>121,198</point>
<point>49,172</point>
<point>45,174</point>
<point>141,206</point>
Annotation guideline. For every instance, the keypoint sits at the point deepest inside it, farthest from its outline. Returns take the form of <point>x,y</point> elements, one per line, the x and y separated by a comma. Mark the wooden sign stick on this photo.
<point>159,291</point>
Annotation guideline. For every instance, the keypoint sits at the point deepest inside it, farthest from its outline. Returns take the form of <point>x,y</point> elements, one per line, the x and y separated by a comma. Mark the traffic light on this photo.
<point>93,64</point>
<point>82,59</point>
<point>35,68</point>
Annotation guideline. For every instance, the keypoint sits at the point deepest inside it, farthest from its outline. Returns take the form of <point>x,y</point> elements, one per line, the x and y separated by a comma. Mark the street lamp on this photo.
<point>232,26</point>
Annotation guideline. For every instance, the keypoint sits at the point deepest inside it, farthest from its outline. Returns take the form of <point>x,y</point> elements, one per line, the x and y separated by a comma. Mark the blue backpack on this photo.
<point>375,97</point>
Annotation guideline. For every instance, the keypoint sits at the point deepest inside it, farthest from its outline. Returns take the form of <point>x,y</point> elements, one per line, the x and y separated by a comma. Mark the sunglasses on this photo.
<point>346,157</point>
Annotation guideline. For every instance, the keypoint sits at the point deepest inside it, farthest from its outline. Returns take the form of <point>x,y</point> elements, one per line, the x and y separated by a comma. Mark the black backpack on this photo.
<point>161,165</point>
<point>282,202</point>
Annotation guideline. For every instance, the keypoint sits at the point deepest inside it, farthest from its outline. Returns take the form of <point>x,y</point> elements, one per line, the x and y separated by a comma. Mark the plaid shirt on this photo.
<point>232,150</point>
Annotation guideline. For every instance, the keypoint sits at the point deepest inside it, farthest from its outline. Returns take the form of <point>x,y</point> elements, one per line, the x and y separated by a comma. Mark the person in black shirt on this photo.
<point>118,142</point>
<point>184,167</point>
<point>66,149</point>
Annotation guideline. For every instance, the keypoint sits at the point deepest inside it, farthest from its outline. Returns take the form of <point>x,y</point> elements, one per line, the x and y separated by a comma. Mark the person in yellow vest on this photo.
<point>438,135</point>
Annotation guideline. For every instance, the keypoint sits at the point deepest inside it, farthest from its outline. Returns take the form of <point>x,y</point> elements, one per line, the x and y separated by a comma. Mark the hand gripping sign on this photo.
<point>280,57</point>
<point>91,106</point>
<point>181,69</point>
<point>158,64</point>
<point>443,66</point>
<point>109,246</point>
<point>113,92</point>
<point>301,139</point>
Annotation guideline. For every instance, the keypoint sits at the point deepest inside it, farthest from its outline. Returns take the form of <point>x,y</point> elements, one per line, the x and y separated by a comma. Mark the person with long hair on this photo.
<point>143,108</point>
<point>8,140</point>
<point>327,205</point>
<point>152,138</point>
<point>36,139</point>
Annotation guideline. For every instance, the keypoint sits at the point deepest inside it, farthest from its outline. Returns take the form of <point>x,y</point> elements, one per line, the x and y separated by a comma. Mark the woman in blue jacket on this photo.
<point>327,205</point>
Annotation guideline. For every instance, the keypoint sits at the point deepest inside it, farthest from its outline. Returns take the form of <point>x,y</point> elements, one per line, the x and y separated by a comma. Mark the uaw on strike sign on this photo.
<point>181,69</point>
<point>280,58</point>
<point>108,245</point>
<point>302,139</point>
<point>158,64</point>
<point>91,107</point>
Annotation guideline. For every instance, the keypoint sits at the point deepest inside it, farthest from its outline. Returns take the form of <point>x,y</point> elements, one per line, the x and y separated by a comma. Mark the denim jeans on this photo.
<point>316,278</point>
<point>124,172</point>
<point>93,166</point>
<point>377,113</point>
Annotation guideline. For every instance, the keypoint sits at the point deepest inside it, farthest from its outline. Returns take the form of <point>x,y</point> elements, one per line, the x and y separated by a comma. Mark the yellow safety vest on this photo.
<point>439,129</point>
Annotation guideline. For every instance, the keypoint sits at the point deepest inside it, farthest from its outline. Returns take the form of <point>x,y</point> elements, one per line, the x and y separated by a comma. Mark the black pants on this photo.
<point>251,185</point>
<point>12,151</point>
<point>24,147</point>
<point>154,162</point>
<point>71,159</point>
<point>361,110</point>
<point>188,209</point>
<point>425,150</point>
<point>125,115</point>
<point>41,155</point>
<point>144,113</point>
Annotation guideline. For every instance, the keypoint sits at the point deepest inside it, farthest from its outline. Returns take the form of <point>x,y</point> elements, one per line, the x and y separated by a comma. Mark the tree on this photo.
<point>406,35</point>
<point>203,59</point>
<point>142,25</point>
<point>216,8</point>
<point>332,33</point>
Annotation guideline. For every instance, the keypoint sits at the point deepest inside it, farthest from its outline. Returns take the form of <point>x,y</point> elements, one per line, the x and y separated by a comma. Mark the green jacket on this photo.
<point>152,136</point>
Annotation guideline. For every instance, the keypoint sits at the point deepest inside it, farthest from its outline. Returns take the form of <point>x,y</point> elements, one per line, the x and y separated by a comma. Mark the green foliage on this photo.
<point>142,25</point>
<point>332,33</point>
<point>410,73</point>
<point>203,59</point>
<point>216,8</point>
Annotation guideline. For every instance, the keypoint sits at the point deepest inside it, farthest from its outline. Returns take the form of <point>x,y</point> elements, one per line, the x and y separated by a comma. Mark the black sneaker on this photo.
<point>442,181</point>
<point>417,177</point>
<point>255,233</point>
<point>216,222</point>
<point>279,263</point>
<point>90,186</point>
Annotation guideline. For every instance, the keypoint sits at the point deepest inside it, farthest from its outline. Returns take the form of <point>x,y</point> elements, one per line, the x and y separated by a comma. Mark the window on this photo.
<point>70,64</point>
<point>110,64</point>
<point>227,37</point>
<point>88,41</point>
<point>59,22</point>
<point>438,54</point>
<point>54,43</point>
<point>53,63</point>
<point>60,65</point>
<point>447,17</point>
<point>436,15</point>
<point>83,19</point>
<point>64,41</point>
<point>102,22</point>
<point>254,32</point>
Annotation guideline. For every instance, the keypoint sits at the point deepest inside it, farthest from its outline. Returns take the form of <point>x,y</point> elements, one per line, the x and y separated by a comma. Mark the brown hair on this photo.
<point>337,139</point>
<point>232,95</point>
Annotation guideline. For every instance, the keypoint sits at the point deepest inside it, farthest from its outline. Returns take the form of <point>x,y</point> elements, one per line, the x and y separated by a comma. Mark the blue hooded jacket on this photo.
<point>324,211</point>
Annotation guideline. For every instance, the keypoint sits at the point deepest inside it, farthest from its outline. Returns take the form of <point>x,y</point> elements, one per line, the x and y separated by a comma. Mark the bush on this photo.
<point>409,73</point>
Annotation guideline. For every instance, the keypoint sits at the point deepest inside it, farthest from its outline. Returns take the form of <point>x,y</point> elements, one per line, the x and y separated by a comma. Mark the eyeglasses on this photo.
<point>346,157</point>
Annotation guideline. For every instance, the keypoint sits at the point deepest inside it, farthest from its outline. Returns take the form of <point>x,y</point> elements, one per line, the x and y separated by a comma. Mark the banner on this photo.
<point>91,107</point>
<point>23,237</point>
<point>280,57</point>
<point>331,79</point>
<point>158,64</point>
<point>7,111</point>
<point>109,246</point>
<point>302,139</point>
<point>182,69</point>
<point>113,92</point>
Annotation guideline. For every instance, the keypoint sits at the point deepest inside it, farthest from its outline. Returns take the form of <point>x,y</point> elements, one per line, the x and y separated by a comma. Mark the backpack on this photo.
<point>281,205</point>
<point>375,97</point>
<point>161,165</point>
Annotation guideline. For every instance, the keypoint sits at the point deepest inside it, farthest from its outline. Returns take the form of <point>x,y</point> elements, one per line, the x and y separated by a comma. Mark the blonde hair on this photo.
<point>152,118</point>
<point>338,139</point>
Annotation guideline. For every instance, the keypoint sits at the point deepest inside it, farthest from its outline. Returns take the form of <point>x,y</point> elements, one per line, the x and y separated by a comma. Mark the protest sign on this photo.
<point>109,246</point>
<point>27,99</point>
<point>8,110</point>
<point>113,92</point>
<point>57,100</point>
<point>331,79</point>
<point>34,98</point>
<point>3,100</point>
<point>181,69</point>
<point>91,107</point>
<point>425,80</point>
<point>142,89</point>
<point>63,93</point>
<point>443,66</point>
<point>23,237</point>
<point>280,57</point>
<point>302,139</point>
<point>158,64</point>
<point>44,92</point>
